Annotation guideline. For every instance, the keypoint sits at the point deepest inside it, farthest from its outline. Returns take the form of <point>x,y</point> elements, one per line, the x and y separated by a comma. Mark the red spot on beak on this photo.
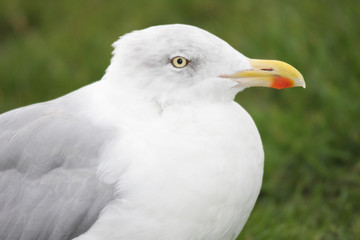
<point>281,82</point>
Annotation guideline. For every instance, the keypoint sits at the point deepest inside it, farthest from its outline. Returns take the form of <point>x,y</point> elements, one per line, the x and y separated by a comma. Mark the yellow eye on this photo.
<point>179,62</point>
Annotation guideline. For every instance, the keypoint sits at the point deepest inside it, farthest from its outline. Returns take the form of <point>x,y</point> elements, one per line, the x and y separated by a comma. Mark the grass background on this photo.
<point>311,137</point>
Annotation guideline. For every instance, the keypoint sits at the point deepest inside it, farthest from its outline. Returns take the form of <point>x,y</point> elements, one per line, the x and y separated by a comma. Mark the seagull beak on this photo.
<point>268,73</point>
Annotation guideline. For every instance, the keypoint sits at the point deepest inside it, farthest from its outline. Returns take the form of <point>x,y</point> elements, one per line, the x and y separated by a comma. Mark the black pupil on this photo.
<point>179,61</point>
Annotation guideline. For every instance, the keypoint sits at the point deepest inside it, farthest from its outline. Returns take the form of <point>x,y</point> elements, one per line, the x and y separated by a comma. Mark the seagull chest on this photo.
<point>194,171</point>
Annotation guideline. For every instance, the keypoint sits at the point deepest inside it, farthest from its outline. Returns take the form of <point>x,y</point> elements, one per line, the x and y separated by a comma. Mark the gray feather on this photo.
<point>48,183</point>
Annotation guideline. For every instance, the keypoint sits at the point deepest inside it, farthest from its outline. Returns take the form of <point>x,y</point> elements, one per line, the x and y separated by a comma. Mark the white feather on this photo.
<point>188,162</point>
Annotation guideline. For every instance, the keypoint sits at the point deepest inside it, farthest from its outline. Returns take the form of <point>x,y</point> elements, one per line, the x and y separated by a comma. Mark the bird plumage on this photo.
<point>152,151</point>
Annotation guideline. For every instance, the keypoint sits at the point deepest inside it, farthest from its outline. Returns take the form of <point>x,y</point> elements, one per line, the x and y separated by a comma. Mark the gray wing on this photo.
<point>48,184</point>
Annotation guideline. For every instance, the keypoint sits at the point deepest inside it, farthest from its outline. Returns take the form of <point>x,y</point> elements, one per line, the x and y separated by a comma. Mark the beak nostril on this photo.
<point>267,69</point>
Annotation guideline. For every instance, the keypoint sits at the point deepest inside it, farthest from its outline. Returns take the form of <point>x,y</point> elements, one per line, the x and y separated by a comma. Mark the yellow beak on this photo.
<point>268,73</point>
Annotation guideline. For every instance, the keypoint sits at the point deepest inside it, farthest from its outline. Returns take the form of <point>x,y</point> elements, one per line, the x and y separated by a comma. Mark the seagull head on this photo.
<point>182,63</point>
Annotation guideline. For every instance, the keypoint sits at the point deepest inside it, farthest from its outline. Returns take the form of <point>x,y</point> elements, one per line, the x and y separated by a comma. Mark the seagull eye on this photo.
<point>179,62</point>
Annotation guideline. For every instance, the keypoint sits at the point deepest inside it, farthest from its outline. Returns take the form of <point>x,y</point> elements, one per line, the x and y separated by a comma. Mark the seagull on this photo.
<point>157,149</point>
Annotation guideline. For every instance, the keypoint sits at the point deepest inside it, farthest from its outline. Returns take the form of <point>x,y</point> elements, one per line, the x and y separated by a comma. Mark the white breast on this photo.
<point>190,173</point>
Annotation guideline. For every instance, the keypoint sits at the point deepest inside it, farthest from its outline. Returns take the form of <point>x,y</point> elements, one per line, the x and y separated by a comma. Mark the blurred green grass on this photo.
<point>311,137</point>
